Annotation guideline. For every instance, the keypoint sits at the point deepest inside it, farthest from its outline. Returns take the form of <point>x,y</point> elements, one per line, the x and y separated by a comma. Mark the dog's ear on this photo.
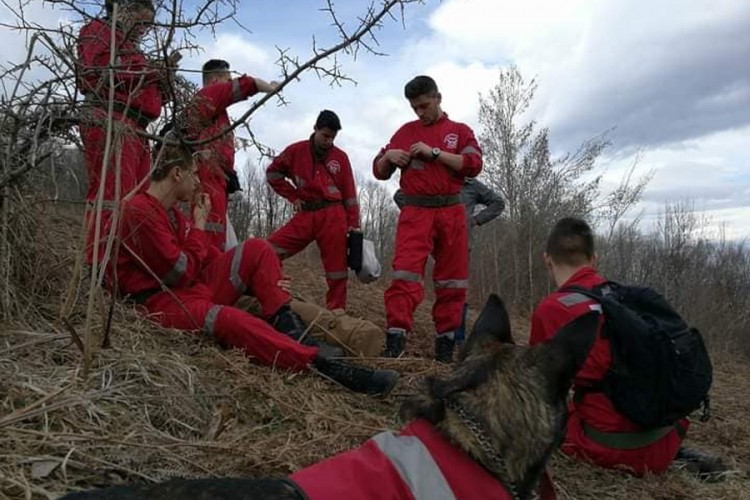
<point>493,325</point>
<point>568,349</point>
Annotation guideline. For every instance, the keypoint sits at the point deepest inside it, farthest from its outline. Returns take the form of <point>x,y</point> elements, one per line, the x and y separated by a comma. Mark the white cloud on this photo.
<point>672,76</point>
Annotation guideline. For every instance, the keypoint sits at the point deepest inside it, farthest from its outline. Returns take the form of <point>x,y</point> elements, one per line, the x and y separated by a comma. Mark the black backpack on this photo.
<point>661,371</point>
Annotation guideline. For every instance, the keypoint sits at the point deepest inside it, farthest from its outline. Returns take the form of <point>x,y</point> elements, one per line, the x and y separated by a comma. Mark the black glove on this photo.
<point>233,182</point>
<point>354,250</point>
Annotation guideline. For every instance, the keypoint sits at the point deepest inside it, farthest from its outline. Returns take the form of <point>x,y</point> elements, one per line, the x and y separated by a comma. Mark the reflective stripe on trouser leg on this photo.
<point>178,270</point>
<point>257,339</point>
<point>209,324</point>
<point>330,236</point>
<point>402,298</point>
<point>415,465</point>
<point>451,270</point>
<point>414,243</point>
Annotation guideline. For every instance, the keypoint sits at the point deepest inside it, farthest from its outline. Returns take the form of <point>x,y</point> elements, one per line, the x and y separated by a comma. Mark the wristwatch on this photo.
<point>435,153</point>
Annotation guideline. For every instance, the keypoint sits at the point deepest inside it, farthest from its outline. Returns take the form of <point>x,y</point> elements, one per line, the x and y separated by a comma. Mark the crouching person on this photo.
<point>167,265</point>
<point>597,431</point>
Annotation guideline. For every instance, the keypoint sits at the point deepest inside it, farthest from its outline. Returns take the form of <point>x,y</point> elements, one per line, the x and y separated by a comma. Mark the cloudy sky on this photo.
<point>670,79</point>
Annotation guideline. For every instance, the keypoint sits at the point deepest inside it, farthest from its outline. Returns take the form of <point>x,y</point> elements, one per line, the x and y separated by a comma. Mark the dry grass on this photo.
<point>162,403</point>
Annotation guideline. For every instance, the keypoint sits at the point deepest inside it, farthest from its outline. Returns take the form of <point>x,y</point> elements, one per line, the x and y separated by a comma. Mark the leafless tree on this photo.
<point>40,108</point>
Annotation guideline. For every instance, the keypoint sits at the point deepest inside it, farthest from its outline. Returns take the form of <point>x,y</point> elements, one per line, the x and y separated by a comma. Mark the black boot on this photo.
<point>358,378</point>
<point>288,322</point>
<point>395,341</point>
<point>702,464</point>
<point>444,348</point>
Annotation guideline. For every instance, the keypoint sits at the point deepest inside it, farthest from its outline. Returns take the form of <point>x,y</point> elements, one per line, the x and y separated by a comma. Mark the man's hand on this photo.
<point>285,284</point>
<point>398,157</point>
<point>201,210</point>
<point>421,150</point>
<point>264,86</point>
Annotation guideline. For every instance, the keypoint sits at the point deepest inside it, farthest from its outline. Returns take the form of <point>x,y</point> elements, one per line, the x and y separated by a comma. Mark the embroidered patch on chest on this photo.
<point>451,141</point>
<point>333,166</point>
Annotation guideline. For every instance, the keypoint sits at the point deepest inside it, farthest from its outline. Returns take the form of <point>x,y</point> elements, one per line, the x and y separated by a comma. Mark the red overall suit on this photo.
<point>438,231</point>
<point>206,117</point>
<point>160,245</point>
<point>137,102</point>
<point>325,187</point>
<point>595,409</point>
<point>415,464</point>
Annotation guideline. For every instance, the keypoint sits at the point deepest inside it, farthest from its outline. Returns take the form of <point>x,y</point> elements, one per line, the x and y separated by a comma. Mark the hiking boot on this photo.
<point>395,341</point>
<point>444,345</point>
<point>358,378</point>
<point>703,465</point>
<point>289,323</point>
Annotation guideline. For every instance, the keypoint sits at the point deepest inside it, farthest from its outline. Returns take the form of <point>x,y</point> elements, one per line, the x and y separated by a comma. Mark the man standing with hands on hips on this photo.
<point>316,177</point>
<point>435,155</point>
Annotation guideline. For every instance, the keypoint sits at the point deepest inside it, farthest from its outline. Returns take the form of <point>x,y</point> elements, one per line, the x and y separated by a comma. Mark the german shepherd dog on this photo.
<point>503,408</point>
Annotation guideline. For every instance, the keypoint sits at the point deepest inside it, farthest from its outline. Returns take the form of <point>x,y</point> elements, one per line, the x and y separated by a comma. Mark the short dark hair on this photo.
<point>110,4</point>
<point>214,66</point>
<point>420,85</point>
<point>171,151</point>
<point>328,119</point>
<point>571,242</point>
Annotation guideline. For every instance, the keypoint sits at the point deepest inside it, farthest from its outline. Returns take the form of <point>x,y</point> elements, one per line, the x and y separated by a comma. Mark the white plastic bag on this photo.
<point>370,265</point>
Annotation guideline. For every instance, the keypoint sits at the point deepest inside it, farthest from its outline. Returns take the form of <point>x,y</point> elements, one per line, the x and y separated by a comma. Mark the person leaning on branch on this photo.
<point>435,155</point>
<point>138,89</point>
<point>316,177</point>
<point>207,117</point>
<point>168,266</point>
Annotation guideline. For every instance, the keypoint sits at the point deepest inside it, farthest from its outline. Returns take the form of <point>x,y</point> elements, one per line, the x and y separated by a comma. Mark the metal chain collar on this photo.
<point>478,430</point>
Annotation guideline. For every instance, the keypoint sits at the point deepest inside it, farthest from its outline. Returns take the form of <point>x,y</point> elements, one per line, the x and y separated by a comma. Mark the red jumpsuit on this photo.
<point>325,186</point>
<point>423,231</point>
<point>595,409</point>
<point>137,102</point>
<point>206,117</point>
<point>418,463</point>
<point>160,245</point>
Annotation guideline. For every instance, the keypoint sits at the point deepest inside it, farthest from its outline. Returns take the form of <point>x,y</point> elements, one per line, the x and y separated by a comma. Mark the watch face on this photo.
<point>435,152</point>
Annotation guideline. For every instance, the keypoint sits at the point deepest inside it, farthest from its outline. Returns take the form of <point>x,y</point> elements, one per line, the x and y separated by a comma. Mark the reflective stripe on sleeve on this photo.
<point>210,321</point>
<point>214,227</point>
<point>178,270</point>
<point>237,91</point>
<point>469,149</point>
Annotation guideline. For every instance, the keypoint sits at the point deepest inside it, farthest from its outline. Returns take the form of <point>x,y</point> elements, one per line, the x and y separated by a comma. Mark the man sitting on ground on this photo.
<point>570,258</point>
<point>596,431</point>
<point>167,264</point>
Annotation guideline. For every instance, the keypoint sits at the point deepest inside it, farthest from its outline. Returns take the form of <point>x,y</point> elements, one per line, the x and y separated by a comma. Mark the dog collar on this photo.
<point>496,462</point>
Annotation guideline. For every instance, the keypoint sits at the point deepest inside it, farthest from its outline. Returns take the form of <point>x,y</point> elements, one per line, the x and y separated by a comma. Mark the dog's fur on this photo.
<point>516,395</point>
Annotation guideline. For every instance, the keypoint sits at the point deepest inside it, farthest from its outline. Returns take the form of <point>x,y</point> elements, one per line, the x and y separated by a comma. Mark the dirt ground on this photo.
<point>161,403</point>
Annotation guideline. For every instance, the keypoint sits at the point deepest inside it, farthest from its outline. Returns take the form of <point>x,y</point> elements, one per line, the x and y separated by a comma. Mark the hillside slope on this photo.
<point>162,403</point>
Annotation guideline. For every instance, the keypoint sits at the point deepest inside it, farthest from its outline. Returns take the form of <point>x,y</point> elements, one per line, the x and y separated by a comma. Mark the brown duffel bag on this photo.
<point>358,336</point>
